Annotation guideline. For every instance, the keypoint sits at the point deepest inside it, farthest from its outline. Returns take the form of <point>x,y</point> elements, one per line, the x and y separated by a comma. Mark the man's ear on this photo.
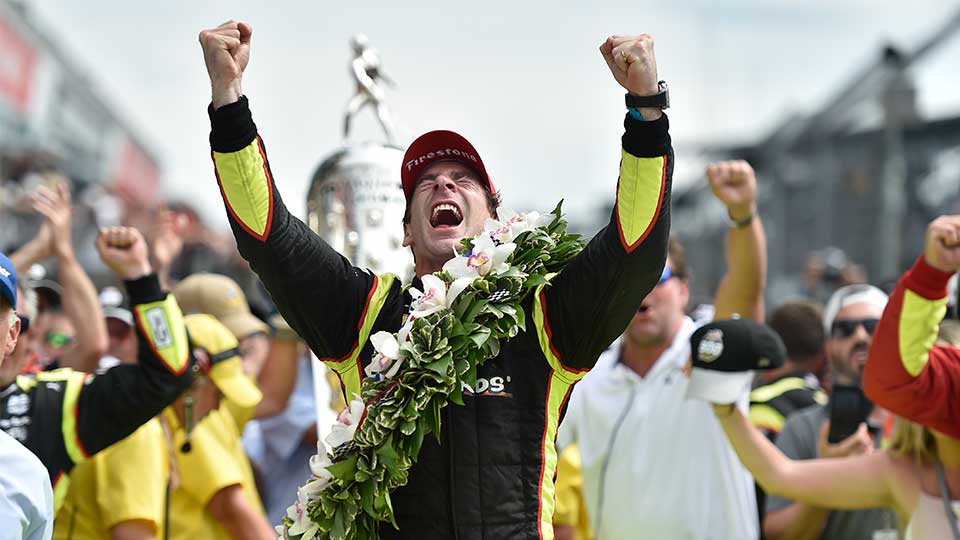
<point>407,235</point>
<point>12,334</point>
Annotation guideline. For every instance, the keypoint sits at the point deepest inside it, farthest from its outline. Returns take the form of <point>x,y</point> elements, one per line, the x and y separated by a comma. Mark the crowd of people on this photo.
<point>162,406</point>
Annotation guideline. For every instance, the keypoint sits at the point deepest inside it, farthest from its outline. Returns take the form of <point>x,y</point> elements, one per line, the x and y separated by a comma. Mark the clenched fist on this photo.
<point>124,251</point>
<point>735,184</point>
<point>631,60</point>
<point>942,246</point>
<point>226,50</point>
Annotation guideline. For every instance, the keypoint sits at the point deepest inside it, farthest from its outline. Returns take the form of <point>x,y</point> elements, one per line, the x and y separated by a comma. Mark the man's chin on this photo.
<point>444,240</point>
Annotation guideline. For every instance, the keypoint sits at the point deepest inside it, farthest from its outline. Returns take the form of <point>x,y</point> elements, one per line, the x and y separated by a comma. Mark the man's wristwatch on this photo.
<point>660,100</point>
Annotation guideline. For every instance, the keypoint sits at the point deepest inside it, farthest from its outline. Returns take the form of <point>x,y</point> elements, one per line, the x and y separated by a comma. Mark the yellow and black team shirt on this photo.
<point>65,416</point>
<point>771,404</point>
<point>492,476</point>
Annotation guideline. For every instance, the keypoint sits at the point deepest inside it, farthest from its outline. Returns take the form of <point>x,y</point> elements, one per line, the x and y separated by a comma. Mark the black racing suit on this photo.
<point>65,416</point>
<point>492,475</point>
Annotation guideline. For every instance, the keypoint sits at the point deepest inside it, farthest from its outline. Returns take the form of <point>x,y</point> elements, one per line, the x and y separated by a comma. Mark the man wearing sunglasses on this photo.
<point>654,464</point>
<point>849,319</point>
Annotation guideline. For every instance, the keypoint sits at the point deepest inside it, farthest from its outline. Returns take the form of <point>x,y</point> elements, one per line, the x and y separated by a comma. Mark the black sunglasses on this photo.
<point>845,328</point>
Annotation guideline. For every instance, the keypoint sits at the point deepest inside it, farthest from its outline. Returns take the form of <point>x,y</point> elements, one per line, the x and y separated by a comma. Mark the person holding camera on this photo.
<point>848,426</point>
<point>914,475</point>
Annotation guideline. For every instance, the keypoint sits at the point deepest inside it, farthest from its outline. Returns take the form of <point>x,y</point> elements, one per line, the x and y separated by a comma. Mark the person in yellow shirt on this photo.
<point>120,493</point>
<point>213,495</point>
<point>570,519</point>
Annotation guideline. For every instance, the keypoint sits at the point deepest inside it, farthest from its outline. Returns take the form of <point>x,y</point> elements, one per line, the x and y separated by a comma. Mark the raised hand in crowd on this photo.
<point>124,251</point>
<point>735,185</point>
<point>226,51</point>
<point>942,244</point>
<point>740,292</point>
<point>80,303</point>
<point>857,444</point>
<point>56,207</point>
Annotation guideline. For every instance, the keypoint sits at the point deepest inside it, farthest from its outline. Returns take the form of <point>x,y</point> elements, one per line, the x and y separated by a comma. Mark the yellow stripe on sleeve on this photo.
<point>557,391</point>
<point>348,368</point>
<point>919,320</point>
<point>61,486</point>
<point>71,395</point>
<point>246,187</point>
<point>639,196</point>
<point>776,389</point>
<point>569,375</point>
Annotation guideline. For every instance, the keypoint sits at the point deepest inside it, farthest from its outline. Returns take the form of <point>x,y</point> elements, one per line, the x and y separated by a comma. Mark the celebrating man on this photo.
<point>492,476</point>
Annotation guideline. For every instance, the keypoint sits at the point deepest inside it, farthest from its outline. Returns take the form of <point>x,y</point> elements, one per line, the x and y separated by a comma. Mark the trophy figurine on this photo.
<point>368,75</point>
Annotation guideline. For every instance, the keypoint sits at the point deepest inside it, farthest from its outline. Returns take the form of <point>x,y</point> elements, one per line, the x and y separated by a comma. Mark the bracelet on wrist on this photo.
<point>742,223</point>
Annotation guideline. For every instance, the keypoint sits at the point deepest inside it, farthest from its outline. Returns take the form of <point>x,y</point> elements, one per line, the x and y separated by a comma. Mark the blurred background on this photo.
<point>847,109</point>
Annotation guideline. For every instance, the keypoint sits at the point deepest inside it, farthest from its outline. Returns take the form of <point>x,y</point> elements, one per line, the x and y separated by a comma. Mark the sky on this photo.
<point>523,81</point>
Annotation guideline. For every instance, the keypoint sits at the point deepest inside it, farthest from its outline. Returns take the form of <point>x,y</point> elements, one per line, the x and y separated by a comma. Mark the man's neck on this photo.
<point>424,267</point>
<point>640,357</point>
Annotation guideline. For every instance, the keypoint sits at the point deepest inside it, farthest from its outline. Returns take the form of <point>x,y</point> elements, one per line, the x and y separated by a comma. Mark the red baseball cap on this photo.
<point>440,145</point>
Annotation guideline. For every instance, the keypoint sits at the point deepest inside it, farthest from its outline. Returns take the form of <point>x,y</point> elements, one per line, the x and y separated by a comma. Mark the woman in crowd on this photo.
<point>918,473</point>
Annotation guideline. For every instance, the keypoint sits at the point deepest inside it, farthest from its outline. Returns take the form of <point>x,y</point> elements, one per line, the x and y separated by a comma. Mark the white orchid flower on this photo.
<point>319,464</point>
<point>436,295</point>
<point>310,491</point>
<point>347,421</point>
<point>301,522</point>
<point>387,360</point>
<point>510,224</point>
<point>520,223</point>
<point>403,334</point>
<point>484,258</point>
<point>498,230</point>
<point>432,299</point>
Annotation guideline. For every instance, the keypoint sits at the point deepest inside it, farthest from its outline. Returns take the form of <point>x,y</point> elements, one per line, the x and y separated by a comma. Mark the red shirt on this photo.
<point>906,373</point>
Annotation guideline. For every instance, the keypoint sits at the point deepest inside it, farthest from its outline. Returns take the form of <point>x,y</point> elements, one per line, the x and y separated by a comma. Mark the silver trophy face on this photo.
<point>355,203</point>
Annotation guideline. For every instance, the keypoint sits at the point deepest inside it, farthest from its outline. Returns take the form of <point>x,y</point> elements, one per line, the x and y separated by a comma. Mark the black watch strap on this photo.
<point>660,100</point>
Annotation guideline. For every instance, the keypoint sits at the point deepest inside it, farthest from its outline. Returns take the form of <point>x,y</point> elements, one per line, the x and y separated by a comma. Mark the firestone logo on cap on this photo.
<point>439,155</point>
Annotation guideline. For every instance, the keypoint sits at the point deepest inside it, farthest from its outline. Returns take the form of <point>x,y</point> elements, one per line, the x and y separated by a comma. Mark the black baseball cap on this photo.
<point>725,354</point>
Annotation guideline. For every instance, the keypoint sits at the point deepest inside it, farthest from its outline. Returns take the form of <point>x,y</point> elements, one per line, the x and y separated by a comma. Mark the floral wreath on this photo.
<point>455,324</point>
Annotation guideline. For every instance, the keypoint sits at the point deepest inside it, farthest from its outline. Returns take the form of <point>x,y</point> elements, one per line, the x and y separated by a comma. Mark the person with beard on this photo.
<point>850,317</point>
<point>492,476</point>
<point>655,464</point>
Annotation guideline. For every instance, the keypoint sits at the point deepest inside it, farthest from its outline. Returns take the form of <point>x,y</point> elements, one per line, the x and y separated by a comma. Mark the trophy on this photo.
<point>355,201</point>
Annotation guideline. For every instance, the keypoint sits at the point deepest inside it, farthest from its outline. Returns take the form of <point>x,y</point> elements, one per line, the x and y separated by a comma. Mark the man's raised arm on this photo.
<point>102,409</point>
<point>741,289</point>
<point>593,299</point>
<point>318,292</point>
<point>905,372</point>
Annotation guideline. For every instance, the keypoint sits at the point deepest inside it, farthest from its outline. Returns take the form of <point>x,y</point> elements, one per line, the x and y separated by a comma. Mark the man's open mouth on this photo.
<point>446,215</point>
